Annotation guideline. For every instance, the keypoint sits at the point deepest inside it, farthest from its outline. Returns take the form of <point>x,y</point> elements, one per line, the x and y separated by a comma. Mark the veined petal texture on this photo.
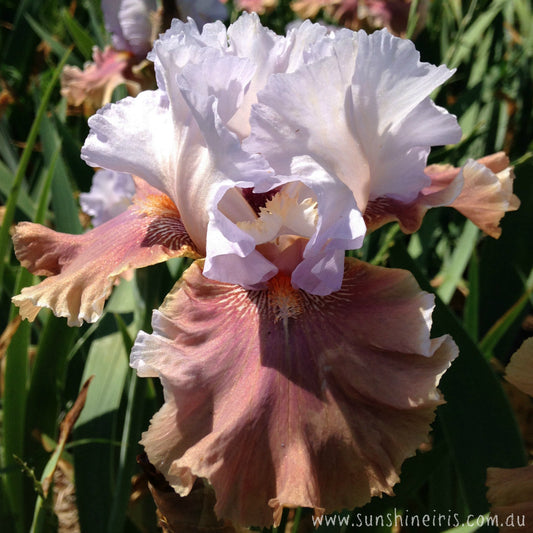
<point>82,269</point>
<point>282,399</point>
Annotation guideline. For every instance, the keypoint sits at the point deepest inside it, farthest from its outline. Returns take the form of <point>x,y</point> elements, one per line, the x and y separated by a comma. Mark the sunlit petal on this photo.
<point>282,399</point>
<point>362,113</point>
<point>143,137</point>
<point>84,268</point>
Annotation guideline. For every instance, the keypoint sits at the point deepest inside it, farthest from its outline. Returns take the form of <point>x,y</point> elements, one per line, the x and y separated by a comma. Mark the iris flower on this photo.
<point>133,25</point>
<point>292,376</point>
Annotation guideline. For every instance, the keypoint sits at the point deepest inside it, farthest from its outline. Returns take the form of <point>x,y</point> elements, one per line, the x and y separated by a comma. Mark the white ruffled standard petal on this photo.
<point>362,113</point>
<point>145,137</point>
<point>230,252</point>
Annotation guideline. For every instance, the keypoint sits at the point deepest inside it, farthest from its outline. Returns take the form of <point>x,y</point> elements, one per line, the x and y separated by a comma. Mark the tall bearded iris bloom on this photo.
<point>292,376</point>
<point>133,25</point>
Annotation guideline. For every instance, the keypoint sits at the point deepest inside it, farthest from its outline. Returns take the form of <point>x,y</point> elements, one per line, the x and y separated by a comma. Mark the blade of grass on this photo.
<point>95,18</point>
<point>64,205</point>
<point>412,20</point>
<point>23,165</point>
<point>95,463</point>
<point>14,414</point>
<point>6,149</point>
<point>83,40</point>
<point>59,49</point>
<point>25,203</point>
<point>471,310</point>
<point>128,451</point>
<point>45,392</point>
<point>453,270</point>
<point>467,528</point>
<point>44,193</point>
<point>502,325</point>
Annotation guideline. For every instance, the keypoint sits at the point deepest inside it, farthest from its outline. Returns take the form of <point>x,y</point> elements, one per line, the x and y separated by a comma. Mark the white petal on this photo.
<point>144,137</point>
<point>362,113</point>
<point>129,22</point>
<point>111,194</point>
<point>340,227</point>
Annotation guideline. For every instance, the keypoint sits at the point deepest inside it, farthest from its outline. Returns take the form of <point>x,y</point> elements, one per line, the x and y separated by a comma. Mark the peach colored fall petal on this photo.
<point>281,399</point>
<point>94,85</point>
<point>486,197</point>
<point>519,371</point>
<point>511,497</point>
<point>481,190</point>
<point>84,268</point>
<point>487,192</point>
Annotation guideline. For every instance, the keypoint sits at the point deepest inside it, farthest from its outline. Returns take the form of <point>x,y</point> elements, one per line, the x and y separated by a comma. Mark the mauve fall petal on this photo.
<point>282,399</point>
<point>84,268</point>
<point>511,497</point>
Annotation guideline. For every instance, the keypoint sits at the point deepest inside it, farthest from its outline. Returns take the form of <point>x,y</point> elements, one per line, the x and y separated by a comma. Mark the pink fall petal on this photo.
<point>487,192</point>
<point>481,190</point>
<point>282,399</point>
<point>511,497</point>
<point>94,85</point>
<point>84,268</point>
<point>259,6</point>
